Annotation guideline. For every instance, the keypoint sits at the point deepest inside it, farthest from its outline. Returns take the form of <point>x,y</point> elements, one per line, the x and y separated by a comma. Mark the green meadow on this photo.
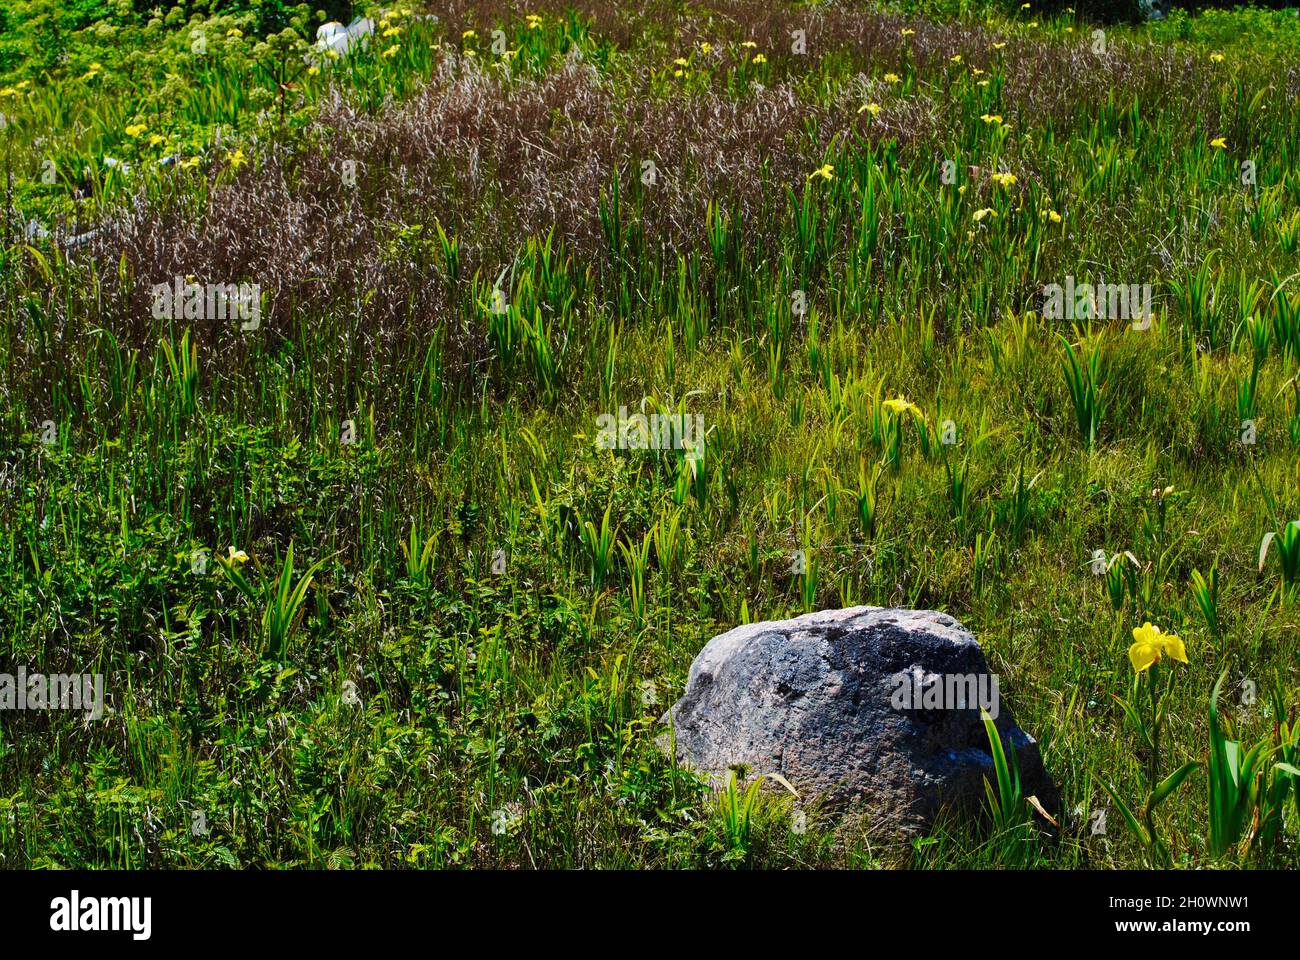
<point>347,538</point>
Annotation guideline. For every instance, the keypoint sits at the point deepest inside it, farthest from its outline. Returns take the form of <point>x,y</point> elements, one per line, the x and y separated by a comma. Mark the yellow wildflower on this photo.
<point>1149,644</point>
<point>825,171</point>
<point>901,405</point>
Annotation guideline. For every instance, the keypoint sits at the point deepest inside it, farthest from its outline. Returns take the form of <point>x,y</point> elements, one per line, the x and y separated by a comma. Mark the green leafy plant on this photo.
<point>1283,782</point>
<point>1206,593</point>
<point>736,809</point>
<point>1121,569</point>
<point>419,556</point>
<point>282,598</point>
<point>1008,805</point>
<point>1146,709</point>
<point>1018,507</point>
<point>867,497</point>
<point>634,559</point>
<point>1288,551</point>
<point>600,548</point>
<point>1085,381</point>
<point>1246,794</point>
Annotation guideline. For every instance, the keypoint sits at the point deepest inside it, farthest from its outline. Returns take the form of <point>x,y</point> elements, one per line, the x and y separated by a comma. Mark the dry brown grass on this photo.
<point>496,161</point>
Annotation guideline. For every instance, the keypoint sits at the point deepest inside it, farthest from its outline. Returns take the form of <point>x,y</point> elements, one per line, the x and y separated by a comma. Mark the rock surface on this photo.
<point>820,700</point>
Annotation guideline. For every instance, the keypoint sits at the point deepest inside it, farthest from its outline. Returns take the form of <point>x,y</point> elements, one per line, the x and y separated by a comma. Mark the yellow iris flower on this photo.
<point>1149,644</point>
<point>901,405</point>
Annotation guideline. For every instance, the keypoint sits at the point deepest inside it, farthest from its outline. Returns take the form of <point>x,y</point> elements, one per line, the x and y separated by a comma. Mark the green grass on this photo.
<point>461,615</point>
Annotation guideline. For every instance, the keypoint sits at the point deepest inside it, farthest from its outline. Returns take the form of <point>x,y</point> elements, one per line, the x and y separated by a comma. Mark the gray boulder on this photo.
<point>867,707</point>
